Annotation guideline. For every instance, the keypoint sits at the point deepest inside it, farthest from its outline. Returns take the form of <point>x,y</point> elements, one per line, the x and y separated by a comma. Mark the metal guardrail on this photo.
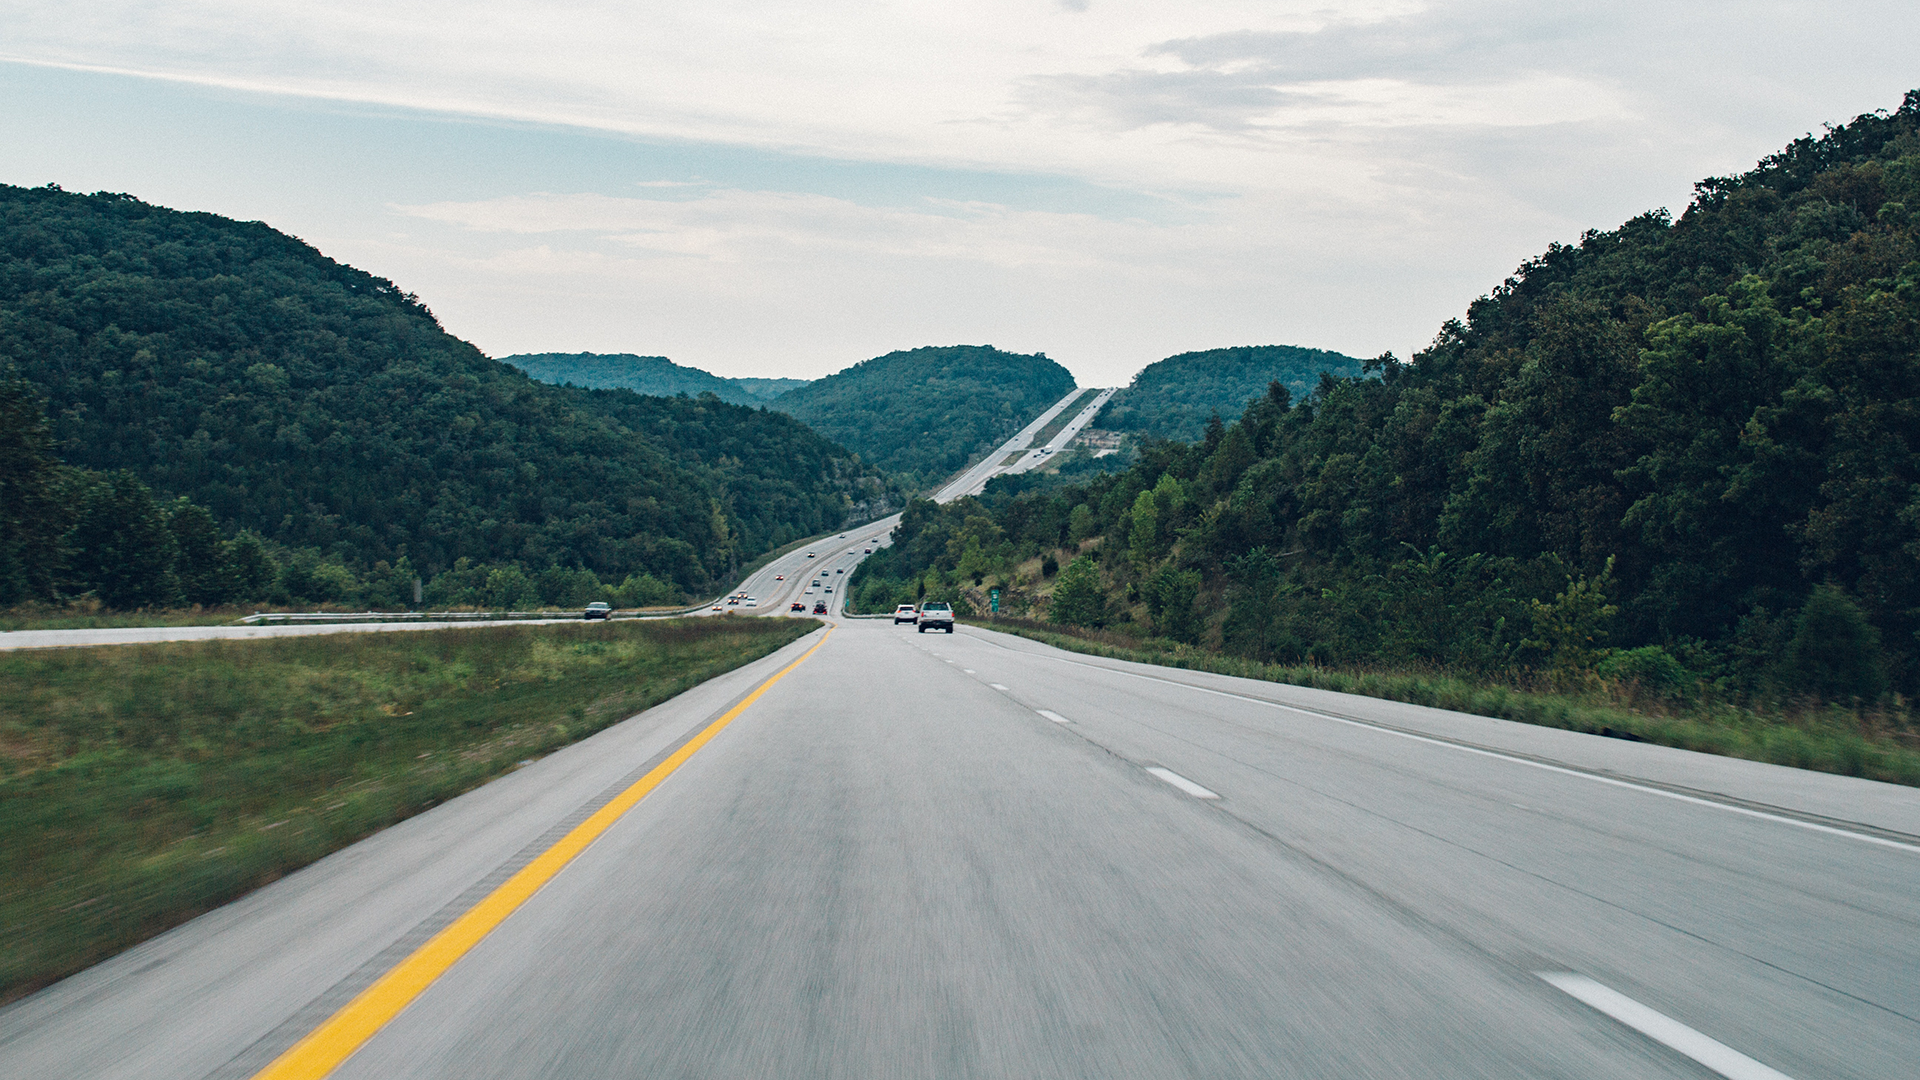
<point>286,617</point>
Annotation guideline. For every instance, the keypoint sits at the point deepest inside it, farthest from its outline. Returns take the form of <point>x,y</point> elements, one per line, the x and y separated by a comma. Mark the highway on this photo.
<point>1039,455</point>
<point>816,573</point>
<point>974,479</point>
<point>977,856</point>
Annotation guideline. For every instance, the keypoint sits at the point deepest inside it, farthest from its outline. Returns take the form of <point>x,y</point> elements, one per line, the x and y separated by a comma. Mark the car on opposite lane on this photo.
<point>599,609</point>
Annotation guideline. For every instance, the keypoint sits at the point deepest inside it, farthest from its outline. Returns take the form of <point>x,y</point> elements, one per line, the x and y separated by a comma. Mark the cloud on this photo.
<point>1127,175</point>
<point>781,231</point>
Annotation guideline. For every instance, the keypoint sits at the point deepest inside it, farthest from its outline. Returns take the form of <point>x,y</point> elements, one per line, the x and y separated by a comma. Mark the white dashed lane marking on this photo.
<point>1662,1029</point>
<point>1182,783</point>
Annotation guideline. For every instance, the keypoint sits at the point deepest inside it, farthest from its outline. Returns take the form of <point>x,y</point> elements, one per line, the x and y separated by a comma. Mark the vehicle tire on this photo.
<point>919,629</point>
<point>949,629</point>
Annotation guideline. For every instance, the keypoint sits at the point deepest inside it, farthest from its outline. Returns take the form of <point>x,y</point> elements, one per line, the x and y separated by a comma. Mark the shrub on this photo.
<point>1835,651</point>
<point>1652,668</point>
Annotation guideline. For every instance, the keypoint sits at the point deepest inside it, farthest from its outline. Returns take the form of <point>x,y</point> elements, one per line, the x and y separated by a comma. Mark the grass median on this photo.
<point>142,785</point>
<point>1878,744</point>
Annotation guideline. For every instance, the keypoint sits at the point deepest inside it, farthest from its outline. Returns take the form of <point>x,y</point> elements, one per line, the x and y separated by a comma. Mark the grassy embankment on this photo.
<point>142,785</point>
<point>1879,744</point>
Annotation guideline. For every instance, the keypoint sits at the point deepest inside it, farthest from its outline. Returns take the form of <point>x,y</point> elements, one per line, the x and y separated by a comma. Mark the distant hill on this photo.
<point>929,411</point>
<point>1173,398</point>
<point>325,408</point>
<point>654,375</point>
<point>768,389</point>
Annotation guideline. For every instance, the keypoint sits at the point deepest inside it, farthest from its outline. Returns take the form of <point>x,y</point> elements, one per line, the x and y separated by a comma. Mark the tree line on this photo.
<point>70,533</point>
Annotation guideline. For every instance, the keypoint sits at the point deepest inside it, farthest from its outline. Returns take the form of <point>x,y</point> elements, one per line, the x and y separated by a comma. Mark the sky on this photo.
<point>765,189</point>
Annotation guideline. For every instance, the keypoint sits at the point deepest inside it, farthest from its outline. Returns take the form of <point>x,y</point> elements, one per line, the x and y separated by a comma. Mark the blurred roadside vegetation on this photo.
<point>142,785</point>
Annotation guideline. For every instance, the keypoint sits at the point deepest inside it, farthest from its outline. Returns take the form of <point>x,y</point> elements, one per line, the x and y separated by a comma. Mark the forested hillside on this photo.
<point>325,410</point>
<point>654,375</point>
<point>927,412</point>
<point>1675,451</point>
<point>1174,398</point>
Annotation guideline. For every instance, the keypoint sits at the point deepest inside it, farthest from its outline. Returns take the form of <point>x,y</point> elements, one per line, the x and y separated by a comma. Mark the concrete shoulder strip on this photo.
<point>1863,833</point>
<point>321,1051</point>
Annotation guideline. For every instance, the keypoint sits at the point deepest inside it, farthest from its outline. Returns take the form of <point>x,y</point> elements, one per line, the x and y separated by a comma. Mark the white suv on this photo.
<point>904,613</point>
<point>936,615</point>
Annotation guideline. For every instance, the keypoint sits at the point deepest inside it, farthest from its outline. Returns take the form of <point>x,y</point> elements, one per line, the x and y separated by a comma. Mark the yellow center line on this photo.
<point>332,1042</point>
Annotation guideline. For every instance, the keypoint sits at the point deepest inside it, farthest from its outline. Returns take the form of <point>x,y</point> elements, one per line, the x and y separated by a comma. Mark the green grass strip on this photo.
<point>142,785</point>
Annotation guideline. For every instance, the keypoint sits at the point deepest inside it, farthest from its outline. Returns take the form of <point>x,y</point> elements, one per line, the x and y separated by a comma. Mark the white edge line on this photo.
<point>1661,1028</point>
<point>1561,769</point>
<point>1182,783</point>
<point>1053,716</point>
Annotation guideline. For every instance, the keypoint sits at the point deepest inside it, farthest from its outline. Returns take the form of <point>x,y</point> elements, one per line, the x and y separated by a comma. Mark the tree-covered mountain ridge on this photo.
<point>929,412</point>
<point>1683,451</point>
<point>1175,397</point>
<point>654,375</point>
<point>324,409</point>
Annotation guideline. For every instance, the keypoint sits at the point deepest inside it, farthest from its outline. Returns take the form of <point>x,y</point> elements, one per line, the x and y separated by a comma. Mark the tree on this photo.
<point>122,549</point>
<point>31,517</point>
<point>199,557</point>
<point>249,567</point>
<point>1835,651</point>
<point>1078,597</point>
<point>1571,628</point>
<point>1170,595</point>
<point>1143,535</point>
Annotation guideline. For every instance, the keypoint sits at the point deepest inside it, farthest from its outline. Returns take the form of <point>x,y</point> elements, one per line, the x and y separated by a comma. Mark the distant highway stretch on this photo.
<point>915,855</point>
<point>974,479</point>
<point>1040,455</point>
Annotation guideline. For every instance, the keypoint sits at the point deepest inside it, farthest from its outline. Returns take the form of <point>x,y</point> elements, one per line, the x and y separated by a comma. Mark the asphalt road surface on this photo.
<point>952,856</point>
